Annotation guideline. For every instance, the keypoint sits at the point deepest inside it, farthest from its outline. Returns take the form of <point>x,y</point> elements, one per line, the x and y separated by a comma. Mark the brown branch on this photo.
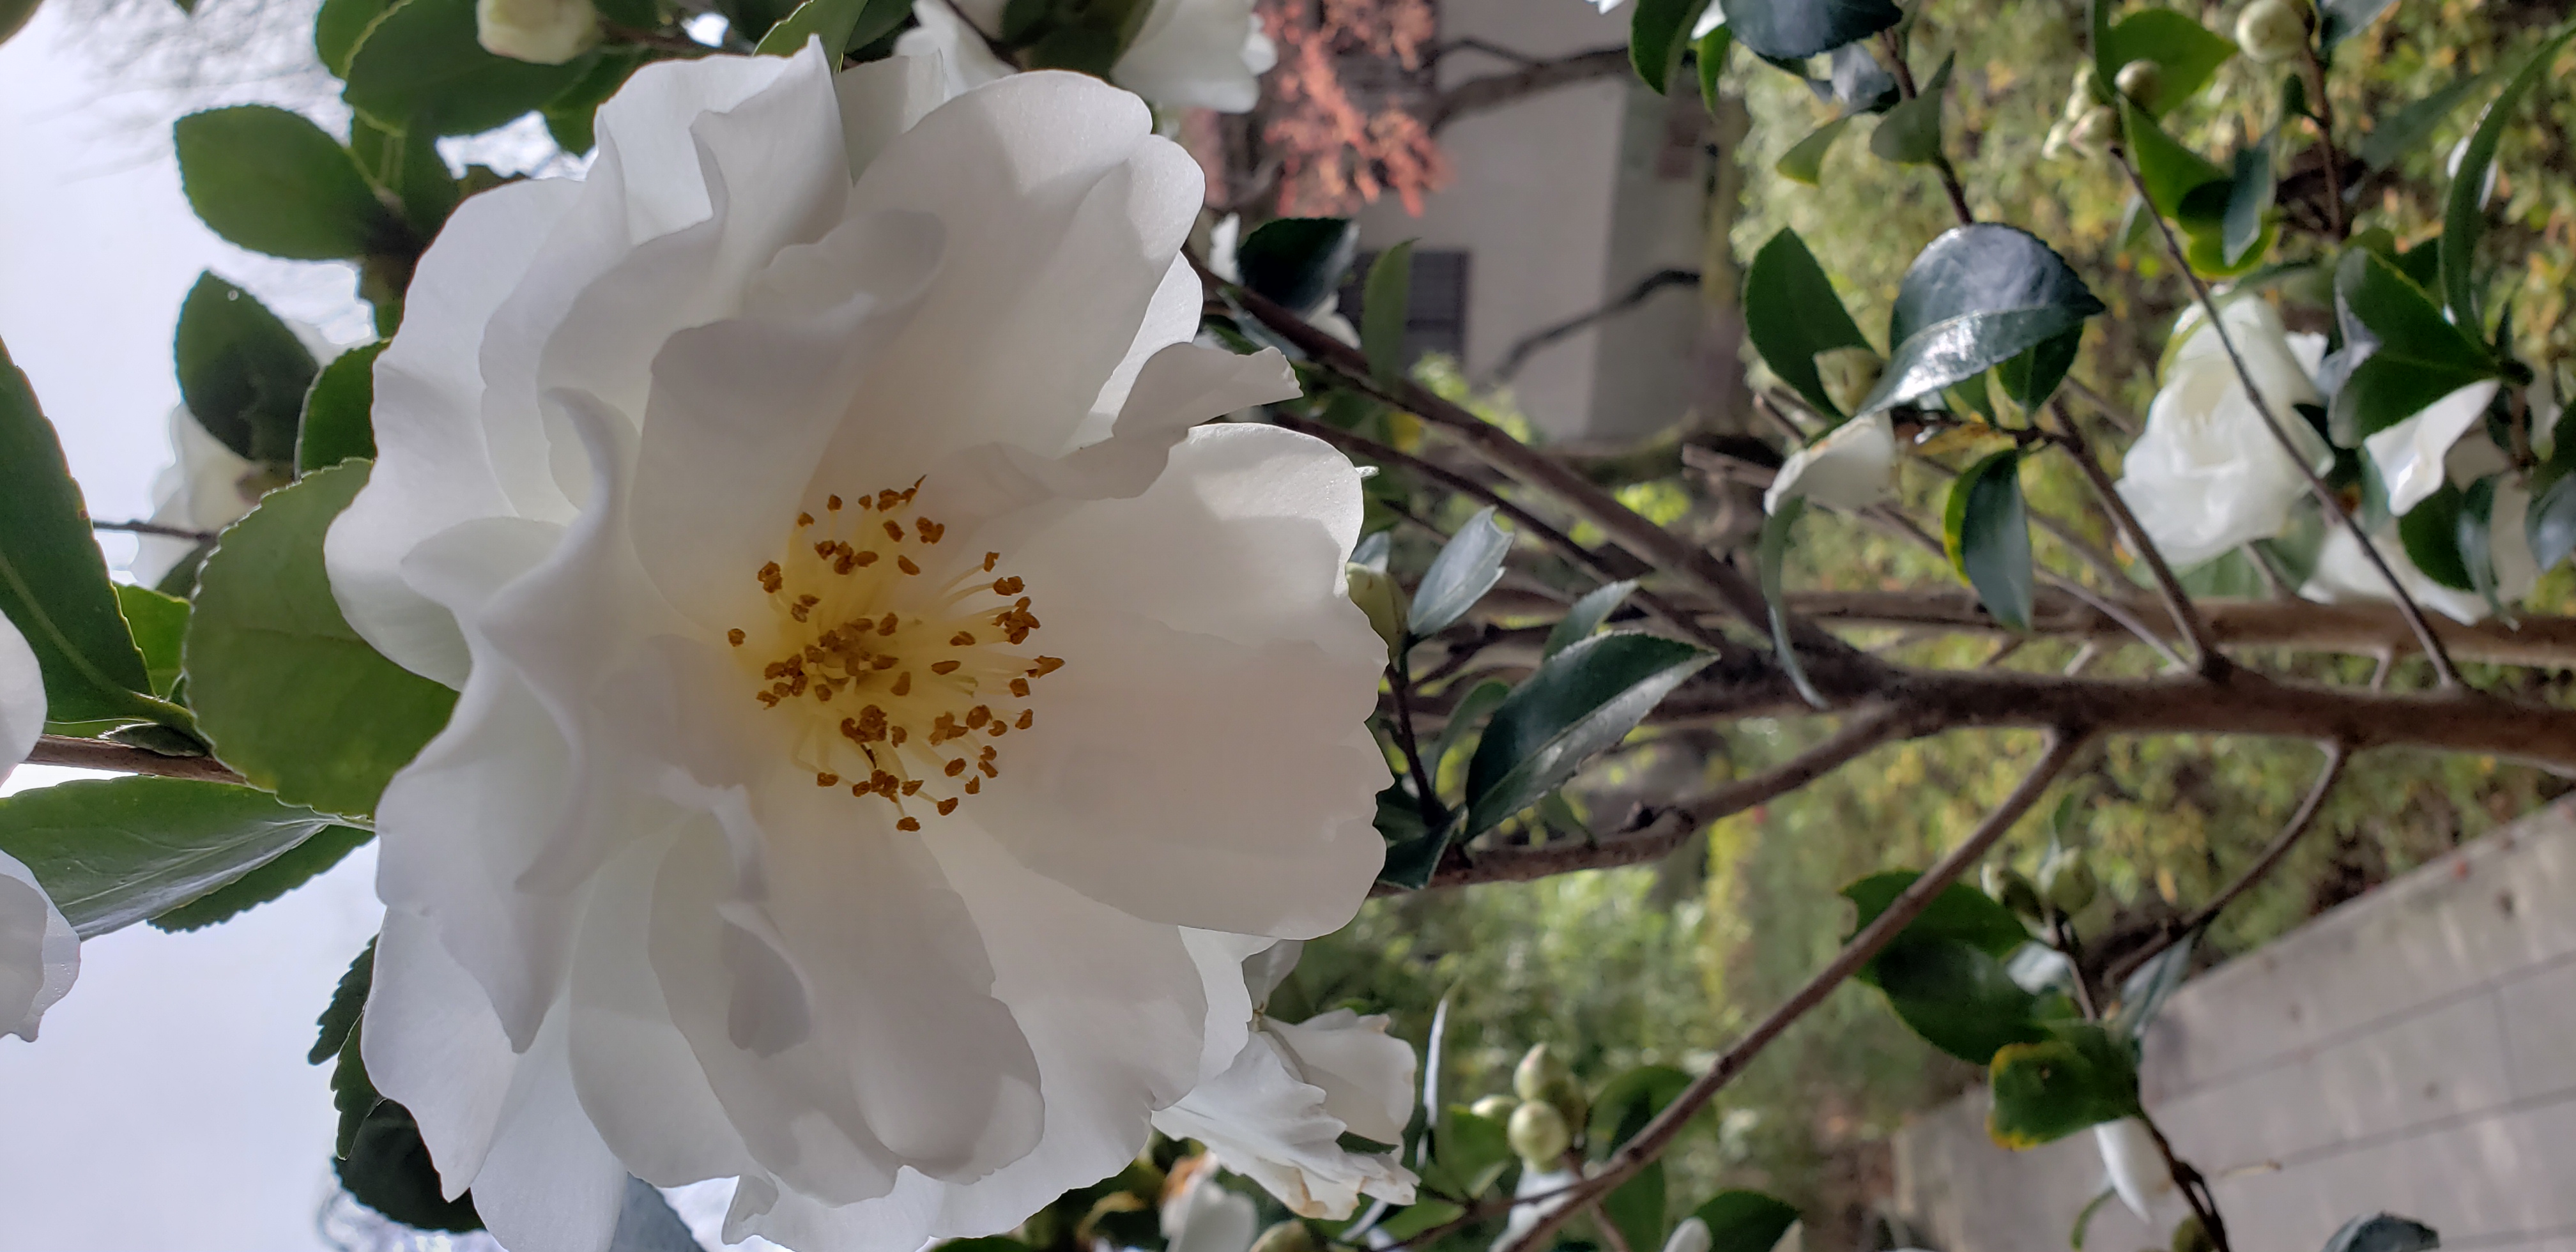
<point>1528,345</point>
<point>103,754</point>
<point>2273,854</point>
<point>1667,1126</point>
<point>1492,91</point>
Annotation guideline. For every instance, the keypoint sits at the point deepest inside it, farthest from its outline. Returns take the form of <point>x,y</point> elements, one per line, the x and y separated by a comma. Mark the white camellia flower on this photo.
<point>886,726</point>
<point>2411,454</point>
<point>1200,1216</point>
<point>2206,475</point>
<point>546,32</point>
<point>2137,1171</point>
<point>1850,468</point>
<point>1188,54</point>
<point>39,954</point>
<point>206,488</point>
<point>2344,575</point>
<point>1277,1114</point>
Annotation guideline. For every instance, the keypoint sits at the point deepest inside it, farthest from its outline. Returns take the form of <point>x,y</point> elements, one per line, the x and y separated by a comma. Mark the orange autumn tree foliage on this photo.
<point>1341,122</point>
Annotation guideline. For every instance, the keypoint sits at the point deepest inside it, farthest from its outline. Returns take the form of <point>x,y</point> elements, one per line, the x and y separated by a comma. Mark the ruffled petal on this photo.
<point>39,952</point>
<point>1367,1076</point>
<point>2410,453</point>
<point>1197,54</point>
<point>1261,1120</point>
<point>22,698</point>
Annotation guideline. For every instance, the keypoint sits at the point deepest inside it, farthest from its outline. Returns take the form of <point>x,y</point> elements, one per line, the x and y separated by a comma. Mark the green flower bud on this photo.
<point>2191,1236</point>
<point>1494,1108</point>
<point>2140,79</point>
<point>2272,30</point>
<point>1289,1236</point>
<point>2086,93</point>
<point>1540,1074</point>
<point>2095,131</point>
<point>1383,601</point>
<point>1849,375</point>
<point>2013,891</point>
<point>1539,1134</point>
<point>2067,882</point>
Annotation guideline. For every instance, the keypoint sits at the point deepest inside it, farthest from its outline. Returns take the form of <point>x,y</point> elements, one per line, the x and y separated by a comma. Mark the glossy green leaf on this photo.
<point>1412,848</point>
<point>1957,997</point>
<point>1959,913</point>
<point>2551,523</point>
<point>1472,1149</point>
<point>2464,214</point>
<point>1746,1221</point>
<point>53,581</point>
<point>1793,30</point>
<point>1626,1103</point>
<point>1710,52</point>
<point>572,115</point>
<point>1587,615</point>
<point>1976,297</point>
<point>2383,1232</point>
<point>1636,1207</point>
<point>1986,531</point>
<point>842,25</point>
<point>242,373</point>
<point>2431,534</point>
<point>1772,555</point>
<point>1791,313</point>
<point>2081,1076</point>
<point>1805,160</point>
<point>2185,53</point>
<point>419,65</point>
<point>388,1169</point>
<point>1298,262</point>
<point>336,424</point>
<point>2339,20</point>
<point>1658,32</point>
<point>271,181</point>
<point>2249,202</point>
<point>1910,133</point>
<point>339,26</point>
<point>291,697</point>
<point>2181,184</point>
<point>158,622</point>
<point>2410,127</point>
<point>2032,377</point>
<point>1580,701</point>
<point>1386,304</point>
<point>1465,718</point>
<point>1468,566</point>
<point>117,850</point>
<point>2419,356</point>
<point>292,869</point>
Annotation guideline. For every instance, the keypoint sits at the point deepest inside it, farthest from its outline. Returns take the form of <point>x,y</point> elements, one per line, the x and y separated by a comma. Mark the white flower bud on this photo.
<point>2272,30</point>
<point>1494,1108</point>
<point>2095,131</point>
<point>2140,79</point>
<point>1692,1235</point>
<point>1539,1134</point>
<point>1851,468</point>
<point>545,32</point>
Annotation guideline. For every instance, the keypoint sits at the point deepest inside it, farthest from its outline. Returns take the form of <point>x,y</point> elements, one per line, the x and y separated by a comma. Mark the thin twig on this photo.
<point>1940,156</point>
<point>1426,797</point>
<point>1659,1134</point>
<point>2213,663</point>
<point>2191,1183</point>
<point>2125,422</point>
<point>2273,854</point>
<point>2423,630</point>
<point>123,759</point>
<point>190,534</point>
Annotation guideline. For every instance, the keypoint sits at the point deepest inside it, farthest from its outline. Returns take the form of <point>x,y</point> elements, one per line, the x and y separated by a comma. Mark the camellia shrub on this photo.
<point>868,633</point>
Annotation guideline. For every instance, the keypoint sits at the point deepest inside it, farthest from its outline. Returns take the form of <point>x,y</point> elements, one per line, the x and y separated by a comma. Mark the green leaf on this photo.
<point>2384,1232</point>
<point>1412,850</point>
<point>570,117</point>
<point>1468,566</point>
<point>1959,913</point>
<point>1791,313</point>
<point>339,1018</point>
<point>2080,1077</point>
<point>242,373</point>
<point>1473,1150</point>
<point>1387,303</point>
<point>117,850</point>
<point>1658,31</point>
<point>336,426</point>
<point>418,66</point>
<point>2551,523</point>
<point>1628,1102</point>
<point>53,582</point>
<point>2411,126</point>
<point>271,181</point>
<point>388,1169</point>
<point>1987,534</point>
<point>1793,30</point>
<point>2464,215</point>
<point>2339,20</point>
<point>292,698</point>
<point>2431,534</point>
<point>1976,297</point>
<point>1710,52</point>
<point>1636,1207</point>
<point>1580,702</point>
<point>1587,615</point>
<point>339,26</point>
<point>2186,54</point>
<point>1805,160</point>
<point>1468,714</point>
<point>2249,201</point>
<point>1415,1219</point>
<point>2181,184</point>
<point>1746,1221</point>
<point>1772,555</point>
<point>1958,998</point>
<point>408,168</point>
<point>1910,134</point>
<point>842,24</point>
<point>2476,547</point>
<point>158,622</point>
<point>292,869</point>
<point>2032,377</point>
<point>1297,262</point>
<point>2419,357</point>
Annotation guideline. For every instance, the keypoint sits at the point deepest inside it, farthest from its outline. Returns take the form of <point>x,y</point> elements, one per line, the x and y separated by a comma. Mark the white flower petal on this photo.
<point>943,38</point>
<point>549,1183</point>
<point>2208,475</point>
<point>1198,54</point>
<point>2136,1169</point>
<point>2410,453</point>
<point>39,953</point>
<point>1263,1121</point>
<point>1367,1076</point>
<point>1690,1235</point>
<point>1209,1218</point>
<point>2344,575</point>
<point>1851,468</point>
<point>22,698</point>
<point>433,1044</point>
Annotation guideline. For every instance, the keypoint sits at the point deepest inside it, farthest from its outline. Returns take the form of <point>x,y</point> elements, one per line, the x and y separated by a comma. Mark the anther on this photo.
<point>943,667</point>
<point>1027,716</point>
<point>909,823</point>
<point>1020,688</point>
<point>833,503</point>
<point>974,785</point>
<point>896,735</point>
<point>887,625</point>
<point>1046,665</point>
<point>989,771</point>
<point>735,636</point>
<point>903,684</point>
<point>977,716</point>
<point>948,806</point>
<point>885,662</point>
<point>1007,586</point>
<point>955,768</point>
<point>961,640</point>
<point>827,780</point>
<point>804,519</point>
<point>894,531</point>
<point>989,559</point>
<point>911,785</point>
<point>905,564</point>
<point>930,530</point>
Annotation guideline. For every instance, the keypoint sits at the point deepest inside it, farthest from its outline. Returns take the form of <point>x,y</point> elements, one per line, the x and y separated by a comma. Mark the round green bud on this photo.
<point>1494,1108</point>
<point>2068,883</point>
<point>2191,1236</point>
<point>2139,80</point>
<point>1540,1075</point>
<point>2013,891</point>
<point>2272,30</point>
<point>1539,1135</point>
<point>1849,375</point>
<point>2095,131</point>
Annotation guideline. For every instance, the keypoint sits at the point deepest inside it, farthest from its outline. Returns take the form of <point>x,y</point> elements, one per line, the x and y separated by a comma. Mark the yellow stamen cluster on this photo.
<point>904,687</point>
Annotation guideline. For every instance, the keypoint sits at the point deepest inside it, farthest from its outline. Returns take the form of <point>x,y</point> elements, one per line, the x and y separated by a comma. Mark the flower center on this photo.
<point>902,689</point>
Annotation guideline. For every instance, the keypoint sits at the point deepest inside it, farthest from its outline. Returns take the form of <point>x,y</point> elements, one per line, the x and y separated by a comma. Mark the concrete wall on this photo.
<point>2413,1051</point>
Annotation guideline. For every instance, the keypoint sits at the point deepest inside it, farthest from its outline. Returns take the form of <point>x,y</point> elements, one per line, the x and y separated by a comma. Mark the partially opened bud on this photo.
<point>2272,30</point>
<point>2086,93</point>
<point>1539,1134</point>
<point>545,32</point>
<point>1849,375</point>
<point>1383,601</point>
<point>2095,131</point>
<point>2139,80</point>
<point>1494,1108</point>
